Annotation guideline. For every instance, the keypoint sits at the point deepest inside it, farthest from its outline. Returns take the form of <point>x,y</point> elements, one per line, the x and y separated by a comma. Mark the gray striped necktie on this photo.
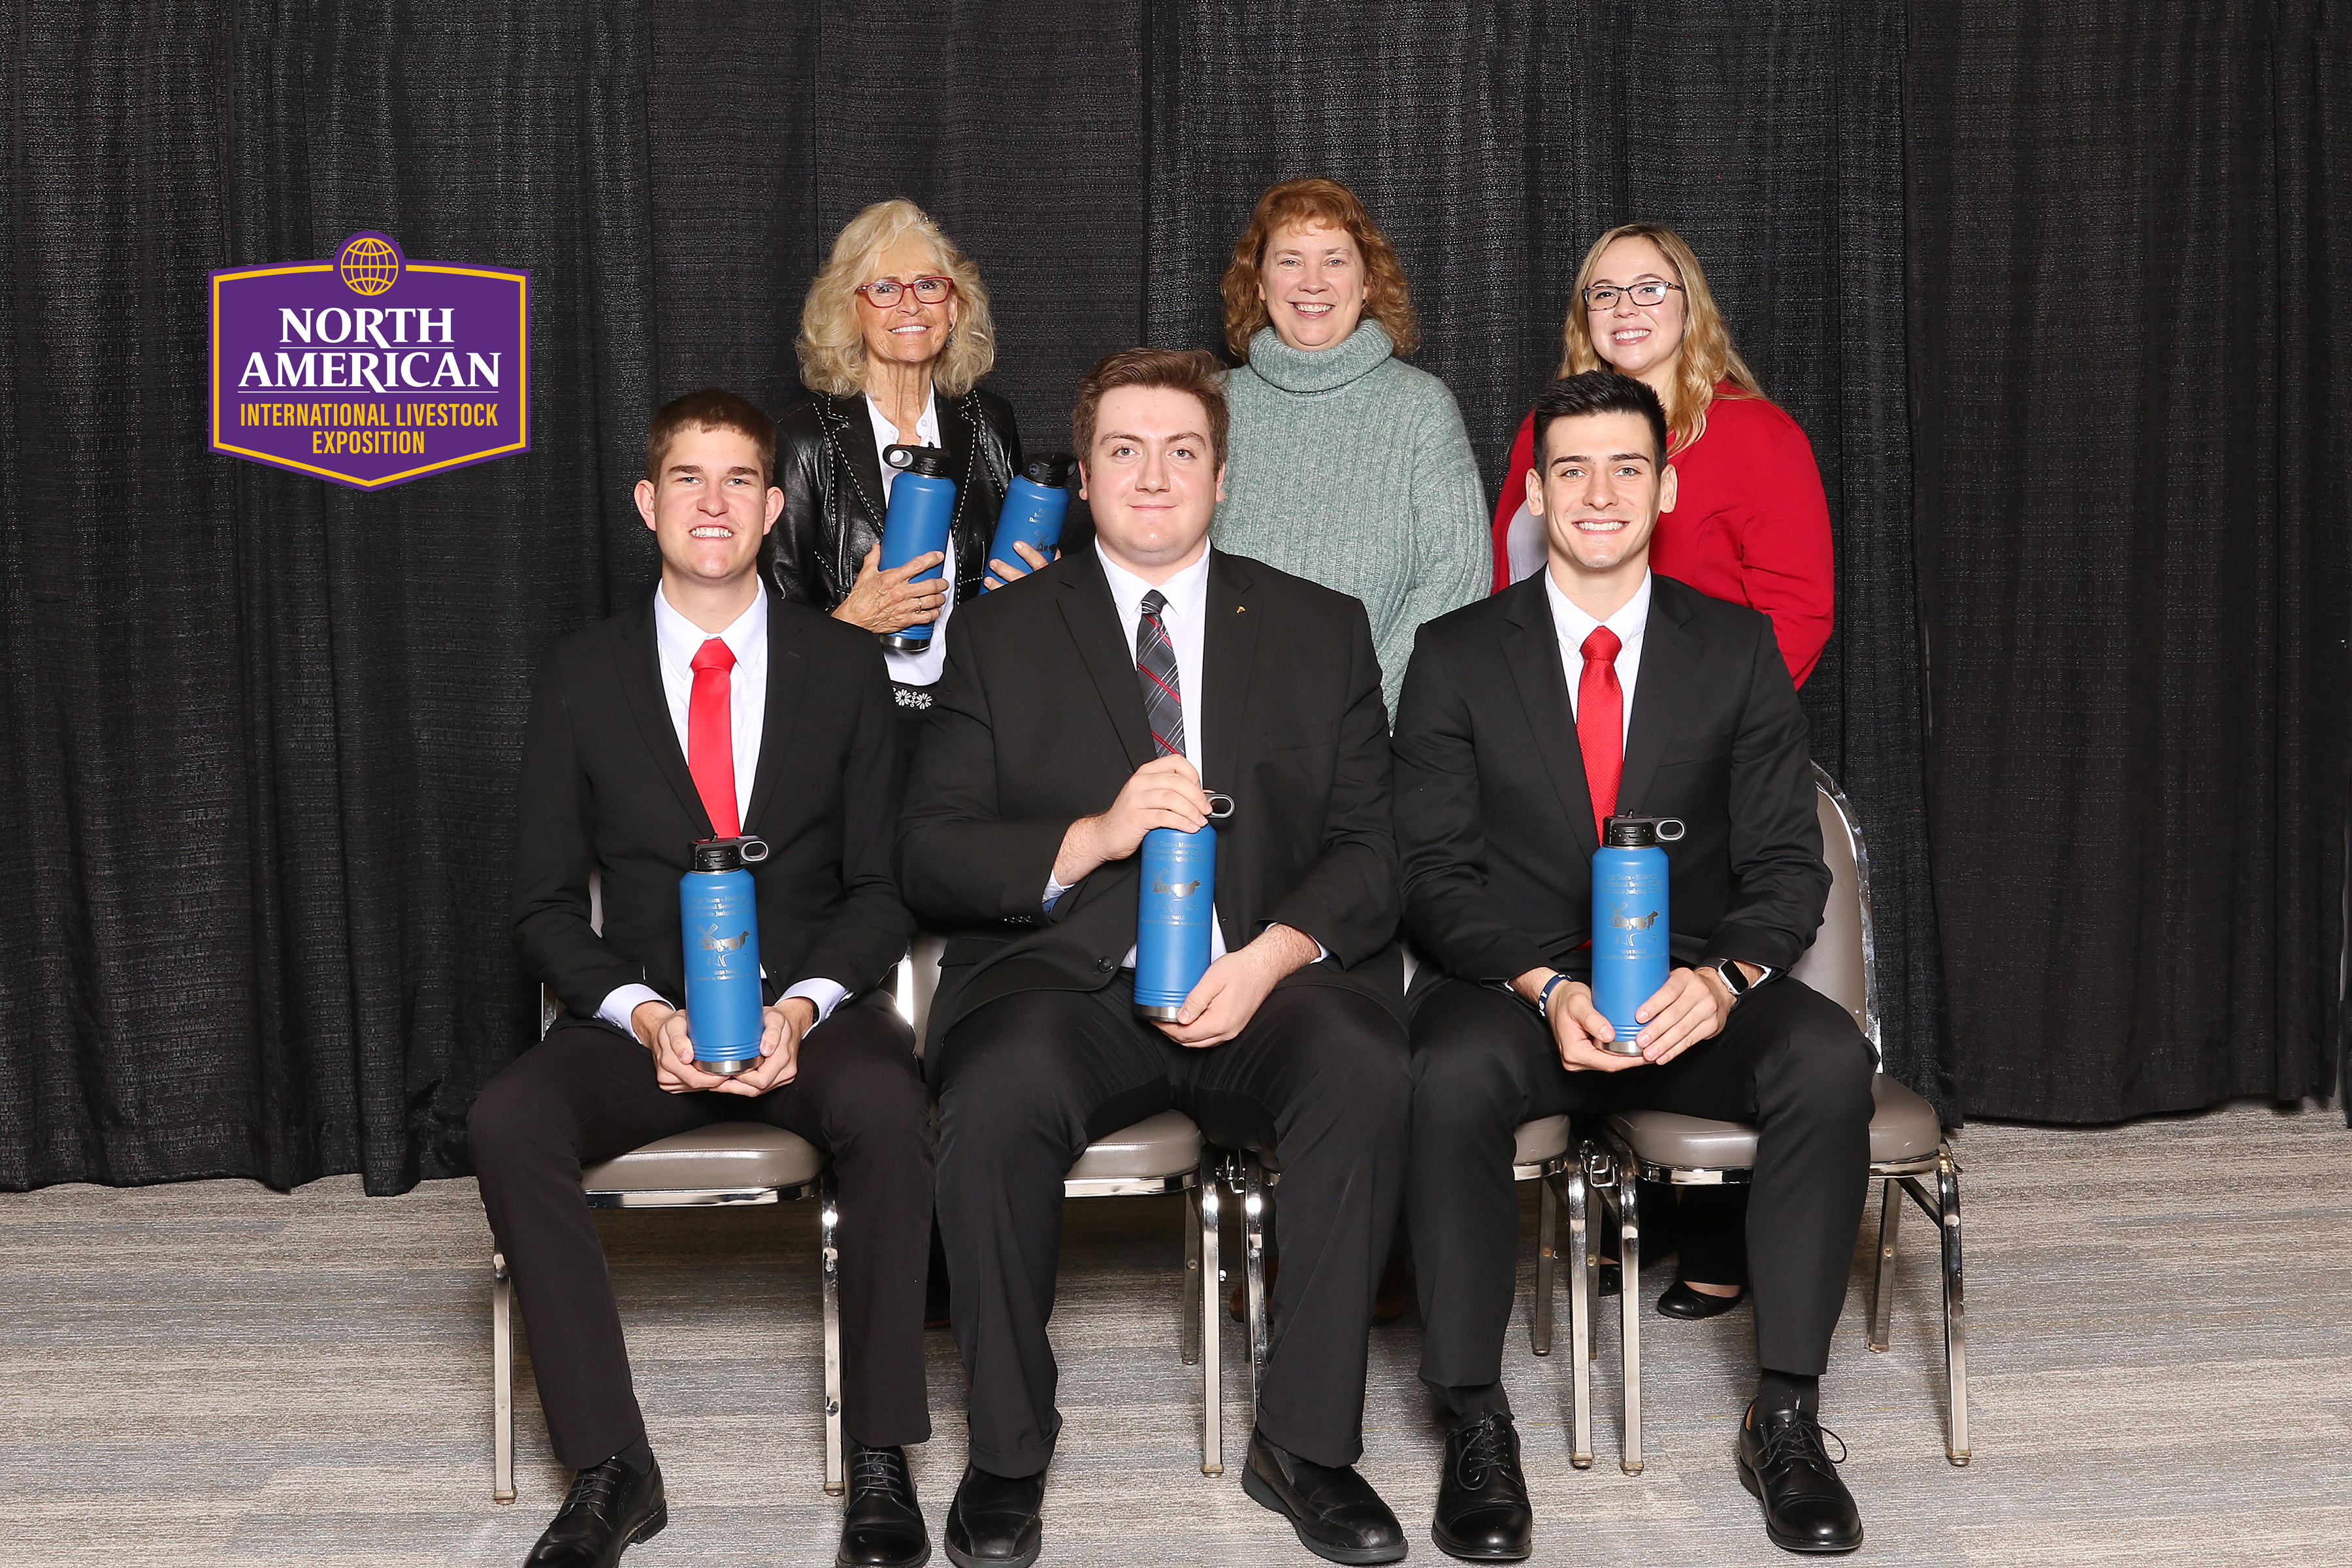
<point>1155,668</point>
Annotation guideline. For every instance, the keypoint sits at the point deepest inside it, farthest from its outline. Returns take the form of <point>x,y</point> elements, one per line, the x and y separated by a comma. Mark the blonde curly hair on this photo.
<point>1707,354</point>
<point>831,347</point>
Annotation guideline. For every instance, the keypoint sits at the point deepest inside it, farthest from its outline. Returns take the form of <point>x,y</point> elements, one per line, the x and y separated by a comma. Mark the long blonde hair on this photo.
<point>1706,355</point>
<point>832,349</point>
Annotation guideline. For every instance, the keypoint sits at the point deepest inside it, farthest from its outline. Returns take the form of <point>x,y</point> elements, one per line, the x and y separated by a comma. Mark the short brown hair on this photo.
<point>1333,204</point>
<point>712,408</point>
<point>1195,371</point>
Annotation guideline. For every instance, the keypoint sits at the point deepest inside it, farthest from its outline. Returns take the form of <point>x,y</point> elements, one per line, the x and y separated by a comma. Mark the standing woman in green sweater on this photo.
<point>1346,465</point>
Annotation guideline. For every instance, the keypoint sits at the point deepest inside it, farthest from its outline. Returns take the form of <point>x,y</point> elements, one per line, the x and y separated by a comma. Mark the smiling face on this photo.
<point>910,332</point>
<point>1599,491</point>
<point>709,509</point>
<point>1312,281</point>
<point>1151,479</point>
<point>1637,339</point>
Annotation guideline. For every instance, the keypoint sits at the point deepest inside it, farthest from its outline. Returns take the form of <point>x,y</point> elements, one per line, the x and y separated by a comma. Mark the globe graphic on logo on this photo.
<point>368,265</point>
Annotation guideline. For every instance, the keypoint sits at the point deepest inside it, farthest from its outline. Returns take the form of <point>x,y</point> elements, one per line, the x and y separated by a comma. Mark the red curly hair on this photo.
<point>1307,202</point>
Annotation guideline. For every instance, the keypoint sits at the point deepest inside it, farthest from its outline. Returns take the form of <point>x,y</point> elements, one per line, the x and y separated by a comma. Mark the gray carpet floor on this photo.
<point>213,1374</point>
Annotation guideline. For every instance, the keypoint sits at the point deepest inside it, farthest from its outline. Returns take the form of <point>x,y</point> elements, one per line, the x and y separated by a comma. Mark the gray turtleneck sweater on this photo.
<point>1349,467</point>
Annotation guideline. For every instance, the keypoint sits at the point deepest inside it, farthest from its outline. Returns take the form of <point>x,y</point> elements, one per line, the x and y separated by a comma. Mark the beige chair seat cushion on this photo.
<point>1161,1146</point>
<point>723,1154</point>
<point>1903,1127</point>
<point>1545,1138</point>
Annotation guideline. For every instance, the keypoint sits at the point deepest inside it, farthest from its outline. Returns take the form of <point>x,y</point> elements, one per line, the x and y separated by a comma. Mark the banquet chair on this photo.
<point>1908,1147</point>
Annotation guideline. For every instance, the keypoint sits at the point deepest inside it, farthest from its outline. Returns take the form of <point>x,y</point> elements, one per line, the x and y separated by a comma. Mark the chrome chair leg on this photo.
<point>1210,1284</point>
<point>1629,1316</point>
<point>1882,1290</point>
<point>502,1481</point>
<point>1546,1263</point>
<point>829,1254</point>
<point>1579,1322</point>
<point>1956,1327</point>
<point>1189,1334</point>
<point>1254,1264</point>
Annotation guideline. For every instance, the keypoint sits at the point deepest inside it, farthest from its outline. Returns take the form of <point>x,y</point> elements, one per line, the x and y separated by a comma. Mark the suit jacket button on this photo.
<point>1104,966</point>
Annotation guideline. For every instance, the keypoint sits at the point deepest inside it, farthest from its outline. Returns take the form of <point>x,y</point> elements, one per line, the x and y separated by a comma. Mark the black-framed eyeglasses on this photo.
<point>885,292</point>
<point>1603,296</point>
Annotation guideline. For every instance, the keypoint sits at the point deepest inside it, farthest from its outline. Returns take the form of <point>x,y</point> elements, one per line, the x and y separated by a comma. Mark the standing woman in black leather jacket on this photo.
<point>894,336</point>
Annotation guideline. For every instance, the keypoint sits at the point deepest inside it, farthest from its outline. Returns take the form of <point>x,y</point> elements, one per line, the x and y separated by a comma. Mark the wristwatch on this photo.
<point>1736,979</point>
<point>1543,997</point>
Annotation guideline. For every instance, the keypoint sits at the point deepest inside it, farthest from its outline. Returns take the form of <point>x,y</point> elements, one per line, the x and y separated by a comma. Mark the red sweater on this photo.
<point>1750,524</point>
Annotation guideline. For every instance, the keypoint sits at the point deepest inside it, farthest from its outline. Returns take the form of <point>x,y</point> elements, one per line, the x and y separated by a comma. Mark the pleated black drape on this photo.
<point>2128,273</point>
<point>1493,143</point>
<point>261,730</point>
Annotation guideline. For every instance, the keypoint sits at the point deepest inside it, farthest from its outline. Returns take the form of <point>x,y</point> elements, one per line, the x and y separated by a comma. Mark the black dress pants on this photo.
<point>1789,1060</point>
<point>1027,1081</point>
<point>587,1093</point>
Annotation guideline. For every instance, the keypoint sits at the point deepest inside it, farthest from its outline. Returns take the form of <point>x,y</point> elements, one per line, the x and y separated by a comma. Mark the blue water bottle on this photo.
<point>923,505</point>
<point>1631,926</point>
<point>1174,911</point>
<point>720,922</point>
<point>1034,505</point>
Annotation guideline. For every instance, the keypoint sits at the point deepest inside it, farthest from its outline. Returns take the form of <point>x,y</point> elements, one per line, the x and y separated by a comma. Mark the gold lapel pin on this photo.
<point>1241,609</point>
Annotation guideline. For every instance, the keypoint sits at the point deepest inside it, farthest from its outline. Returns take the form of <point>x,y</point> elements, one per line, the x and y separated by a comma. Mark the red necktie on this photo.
<point>1600,724</point>
<point>710,736</point>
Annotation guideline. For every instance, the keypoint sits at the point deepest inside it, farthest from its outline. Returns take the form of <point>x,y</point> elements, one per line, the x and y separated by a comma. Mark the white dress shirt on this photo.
<point>677,640</point>
<point>922,668</point>
<point>1573,625</point>
<point>1185,617</point>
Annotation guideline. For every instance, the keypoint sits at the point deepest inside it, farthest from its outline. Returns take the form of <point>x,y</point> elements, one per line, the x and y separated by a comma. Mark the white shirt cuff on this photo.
<point>1054,891</point>
<point>823,995</point>
<point>624,1002</point>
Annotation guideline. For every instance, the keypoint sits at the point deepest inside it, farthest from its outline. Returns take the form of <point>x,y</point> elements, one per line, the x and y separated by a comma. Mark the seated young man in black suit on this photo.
<point>714,706</point>
<point>1043,766</point>
<point>1589,690</point>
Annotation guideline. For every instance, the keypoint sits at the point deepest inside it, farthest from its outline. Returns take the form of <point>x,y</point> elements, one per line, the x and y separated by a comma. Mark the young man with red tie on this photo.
<point>1082,707</point>
<point>713,709</point>
<point>1591,689</point>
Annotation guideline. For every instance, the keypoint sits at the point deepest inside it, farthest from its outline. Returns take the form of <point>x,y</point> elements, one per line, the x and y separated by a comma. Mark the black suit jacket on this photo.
<point>1494,821</point>
<point>605,783</point>
<point>1038,721</point>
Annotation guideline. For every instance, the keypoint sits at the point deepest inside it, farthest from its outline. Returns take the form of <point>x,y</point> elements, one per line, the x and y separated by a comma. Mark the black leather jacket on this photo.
<point>832,491</point>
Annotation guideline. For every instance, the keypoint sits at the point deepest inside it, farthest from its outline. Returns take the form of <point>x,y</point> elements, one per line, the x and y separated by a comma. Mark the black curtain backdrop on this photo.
<point>2127,271</point>
<point>260,730</point>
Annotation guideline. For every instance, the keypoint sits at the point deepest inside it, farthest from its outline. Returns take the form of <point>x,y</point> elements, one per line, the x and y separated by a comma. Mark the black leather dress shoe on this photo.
<point>1680,1301</point>
<point>1783,1462</point>
<point>609,1508</point>
<point>1337,1515</point>
<point>882,1527</point>
<point>1610,1277</point>
<point>992,1523</point>
<point>1481,1497</point>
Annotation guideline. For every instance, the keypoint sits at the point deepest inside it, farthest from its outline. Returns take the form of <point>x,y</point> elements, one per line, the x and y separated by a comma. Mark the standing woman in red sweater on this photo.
<point>1750,524</point>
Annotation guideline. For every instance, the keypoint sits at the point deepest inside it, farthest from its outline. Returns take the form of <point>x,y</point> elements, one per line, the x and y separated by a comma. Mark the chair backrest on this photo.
<point>1841,964</point>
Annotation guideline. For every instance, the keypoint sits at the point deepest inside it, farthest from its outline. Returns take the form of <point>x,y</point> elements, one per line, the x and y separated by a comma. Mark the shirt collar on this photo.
<point>1573,625</point>
<point>1187,593</point>
<point>681,639</point>
<point>927,425</point>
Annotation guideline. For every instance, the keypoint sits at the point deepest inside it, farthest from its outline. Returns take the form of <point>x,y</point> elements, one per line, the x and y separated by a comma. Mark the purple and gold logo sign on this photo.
<point>371,369</point>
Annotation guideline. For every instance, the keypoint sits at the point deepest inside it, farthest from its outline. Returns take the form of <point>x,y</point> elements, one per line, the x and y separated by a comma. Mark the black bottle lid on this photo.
<point>1640,832</point>
<point>726,854</point>
<point>931,462</point>
<point>1051,470</point>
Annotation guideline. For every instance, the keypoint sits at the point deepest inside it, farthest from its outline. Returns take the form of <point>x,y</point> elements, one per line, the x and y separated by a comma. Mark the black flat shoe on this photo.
<point>609,1508</point>
<point>1335,1513</point>
<point>1806,1506</point>
<point>1610,1277</point>
<point>1679,1301</point>
<point>992,1523</point>
<point>1481,1497</point>
<point>882,1525</point>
